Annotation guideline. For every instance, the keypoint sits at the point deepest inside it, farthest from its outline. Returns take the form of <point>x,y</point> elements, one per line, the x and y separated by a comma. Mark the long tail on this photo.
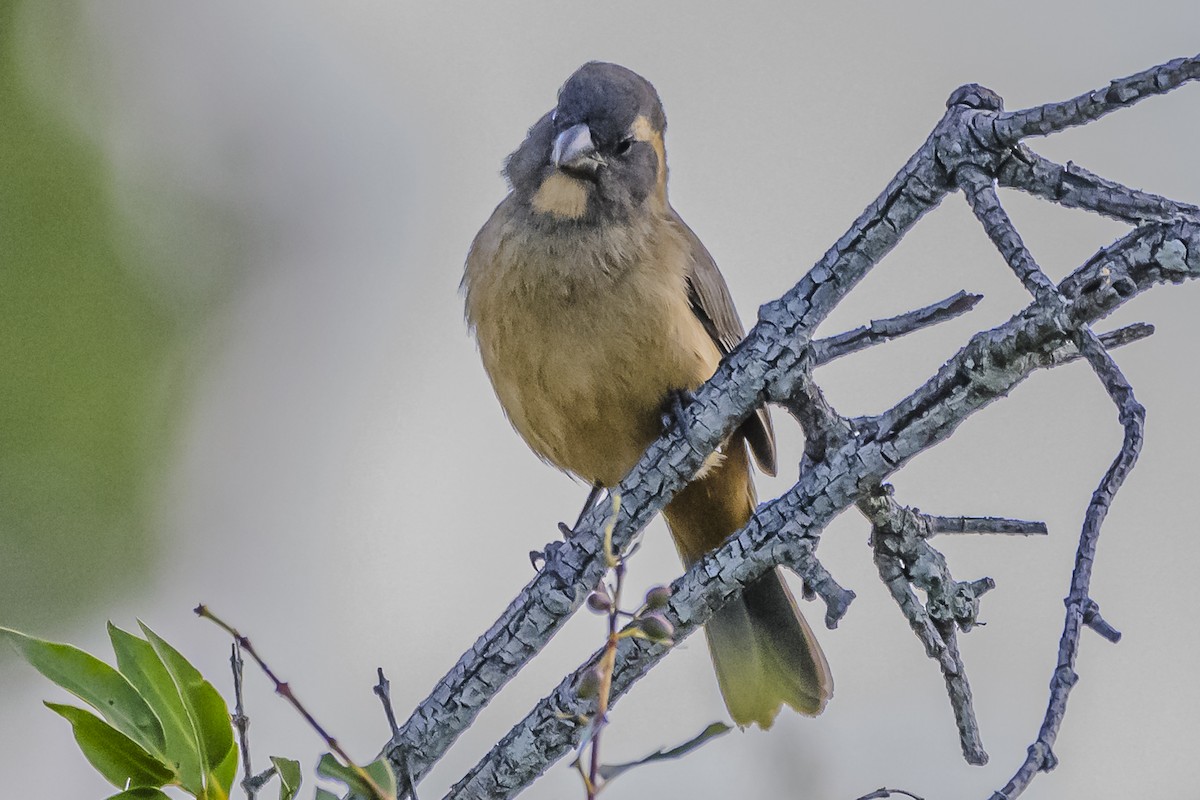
<point>764,651</point>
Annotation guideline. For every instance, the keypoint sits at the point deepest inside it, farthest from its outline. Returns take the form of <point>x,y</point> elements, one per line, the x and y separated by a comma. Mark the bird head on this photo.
<point>599,155</point>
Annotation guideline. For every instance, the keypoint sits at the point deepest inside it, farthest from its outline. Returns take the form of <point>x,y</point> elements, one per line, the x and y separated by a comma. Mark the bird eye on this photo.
<point>623,146</point>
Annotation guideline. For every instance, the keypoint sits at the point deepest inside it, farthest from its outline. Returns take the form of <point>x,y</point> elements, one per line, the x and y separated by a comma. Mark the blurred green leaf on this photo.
<point>143,793</point>
<point>289,776</point>
<point>610,771</point>
<point>380,772</point>
<point>140,664</point>
<point>96,683</point>
<point>84,340</point>
<point>204,705</point>
<point>223,776</point>
<point>324,794</point>
<point>117,757</point>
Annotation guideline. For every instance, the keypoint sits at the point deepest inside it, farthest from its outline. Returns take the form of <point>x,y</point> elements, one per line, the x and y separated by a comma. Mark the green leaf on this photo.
<point>610,771</point>
<point>142,793</point>
<point>95,683</point>
<point>380,772</point>
<point>118,758</point>
<point>205,708</point>
<point>289,776</point>
<point>142,667</point>
<point>324,794</point>
<point>223,776</point>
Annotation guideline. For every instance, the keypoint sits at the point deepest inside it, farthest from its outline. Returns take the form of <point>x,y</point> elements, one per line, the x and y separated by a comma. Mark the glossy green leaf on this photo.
<point>95,683</point>
<point>380,772</point>
<point>143,793</point>
<point>118,758</point>
<point>141,666</point>
<point>289,776</point>
<point>204,705</point>
<point>610,771</point>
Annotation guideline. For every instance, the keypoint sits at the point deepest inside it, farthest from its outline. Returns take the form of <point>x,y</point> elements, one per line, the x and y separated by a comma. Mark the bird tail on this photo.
<point>764,651</point>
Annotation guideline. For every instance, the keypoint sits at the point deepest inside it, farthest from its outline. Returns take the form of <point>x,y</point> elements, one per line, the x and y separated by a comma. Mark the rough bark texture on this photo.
<point>973,147</point>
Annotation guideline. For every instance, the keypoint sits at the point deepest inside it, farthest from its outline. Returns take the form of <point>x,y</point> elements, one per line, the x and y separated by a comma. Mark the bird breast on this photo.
<point>583,335</point>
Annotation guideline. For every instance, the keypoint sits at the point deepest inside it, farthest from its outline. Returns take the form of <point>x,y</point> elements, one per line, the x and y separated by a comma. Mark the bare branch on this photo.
<point>905,560</point>
<point>847,460</point>
<point>1072,186</point>
<point>1017,527</point>
<point>1121,93</point>
<point>786,529</point>
<point>884,330</point>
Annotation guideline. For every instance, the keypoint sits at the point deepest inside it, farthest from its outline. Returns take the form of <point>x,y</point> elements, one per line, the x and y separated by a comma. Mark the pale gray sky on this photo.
<point>347,491</point>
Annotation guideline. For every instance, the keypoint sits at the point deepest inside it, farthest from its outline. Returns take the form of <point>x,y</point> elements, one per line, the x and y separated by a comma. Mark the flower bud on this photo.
<point>658,597</point>
<point>589,685</point>
<point>657,628</point>
<point>599,601</point>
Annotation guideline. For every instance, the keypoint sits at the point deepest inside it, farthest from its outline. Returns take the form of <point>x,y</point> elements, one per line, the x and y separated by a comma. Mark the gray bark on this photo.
<point>974,147</point>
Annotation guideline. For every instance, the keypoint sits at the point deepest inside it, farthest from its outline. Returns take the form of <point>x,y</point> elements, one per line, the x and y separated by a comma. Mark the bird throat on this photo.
<point>561,196</point>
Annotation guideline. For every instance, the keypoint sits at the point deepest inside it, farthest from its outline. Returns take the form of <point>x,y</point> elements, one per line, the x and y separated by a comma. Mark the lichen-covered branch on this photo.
<point>975,144</point>
<point>786,530</point>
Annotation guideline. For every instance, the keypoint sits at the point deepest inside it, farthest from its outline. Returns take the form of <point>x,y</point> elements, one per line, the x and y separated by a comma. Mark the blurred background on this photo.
<point>233,368</point>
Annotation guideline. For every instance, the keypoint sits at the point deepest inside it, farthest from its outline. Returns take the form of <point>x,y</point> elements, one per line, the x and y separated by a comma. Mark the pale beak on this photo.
<point>574,151</point>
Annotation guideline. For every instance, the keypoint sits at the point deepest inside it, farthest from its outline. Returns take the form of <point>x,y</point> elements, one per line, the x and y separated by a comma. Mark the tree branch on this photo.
<point>786,530</point>
<point>846,460</point>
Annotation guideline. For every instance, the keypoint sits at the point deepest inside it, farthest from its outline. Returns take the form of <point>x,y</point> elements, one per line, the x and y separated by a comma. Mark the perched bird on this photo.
<point>592,303</point>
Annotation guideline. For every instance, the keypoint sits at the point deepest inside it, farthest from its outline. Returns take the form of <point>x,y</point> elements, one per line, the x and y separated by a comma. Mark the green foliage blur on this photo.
<point>82,413</point>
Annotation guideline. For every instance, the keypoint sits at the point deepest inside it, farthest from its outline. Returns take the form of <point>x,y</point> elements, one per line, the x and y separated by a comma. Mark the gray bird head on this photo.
<point>599,155</point>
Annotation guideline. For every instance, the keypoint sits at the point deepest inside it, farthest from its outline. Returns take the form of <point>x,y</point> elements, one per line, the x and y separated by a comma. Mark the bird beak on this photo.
<point>574,151</point>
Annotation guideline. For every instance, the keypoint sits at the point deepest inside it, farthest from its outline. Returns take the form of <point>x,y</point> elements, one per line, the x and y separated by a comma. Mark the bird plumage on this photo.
<point>592,302</point>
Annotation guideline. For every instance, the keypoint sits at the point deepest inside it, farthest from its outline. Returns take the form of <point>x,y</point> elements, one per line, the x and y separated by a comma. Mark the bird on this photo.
<point>593,305</point>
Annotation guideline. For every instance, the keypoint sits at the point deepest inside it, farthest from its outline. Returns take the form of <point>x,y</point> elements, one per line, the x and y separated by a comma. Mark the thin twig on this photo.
<point>407,786</point>
<point>880,794</point>
<point>1080,605</point>
<point>885,330</point>
<point>383,690</point>
<point>285,691</point>
<point>251,783</point>
<point>1017,527</point>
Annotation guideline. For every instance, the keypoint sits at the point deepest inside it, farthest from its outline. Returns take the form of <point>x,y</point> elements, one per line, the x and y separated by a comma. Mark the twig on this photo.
<point>383,690</point>
<point>1017,527</point>
<point>251,783</point>
<point>905,559</point>
<point>1072,186</point>
<point>1080,606</point>
<point>285,691</point>
<point>819,582</point>
<point>880,794</point>
<point>884,330</point>
<point>1122,93</point>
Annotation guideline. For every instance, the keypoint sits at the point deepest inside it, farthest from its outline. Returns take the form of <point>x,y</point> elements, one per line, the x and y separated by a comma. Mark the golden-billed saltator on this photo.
<point>593,302</point>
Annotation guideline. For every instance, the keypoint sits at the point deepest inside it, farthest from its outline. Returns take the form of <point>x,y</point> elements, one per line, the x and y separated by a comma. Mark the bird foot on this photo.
<point>673,415</point>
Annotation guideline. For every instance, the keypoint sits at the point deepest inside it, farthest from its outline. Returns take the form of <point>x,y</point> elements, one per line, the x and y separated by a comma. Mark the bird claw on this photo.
<point>673,415</point>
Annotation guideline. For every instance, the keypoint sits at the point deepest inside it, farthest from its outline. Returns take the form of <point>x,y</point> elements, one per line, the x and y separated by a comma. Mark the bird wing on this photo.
<point>713,306</point>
